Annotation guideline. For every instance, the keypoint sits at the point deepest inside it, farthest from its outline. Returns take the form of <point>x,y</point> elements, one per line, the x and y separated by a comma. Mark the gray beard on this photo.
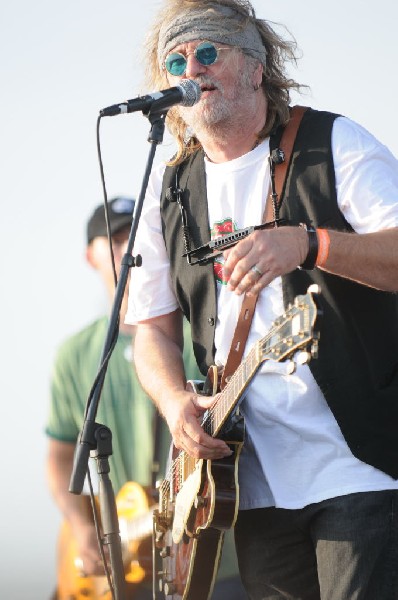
<point>215,117</point>
<point>218,116</point>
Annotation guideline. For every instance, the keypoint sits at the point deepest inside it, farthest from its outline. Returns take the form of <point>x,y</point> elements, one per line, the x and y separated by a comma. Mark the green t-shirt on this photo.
<point>123,407</point>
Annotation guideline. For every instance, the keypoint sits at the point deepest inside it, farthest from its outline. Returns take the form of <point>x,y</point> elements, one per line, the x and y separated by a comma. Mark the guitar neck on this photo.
<point>216,416</point>
<point>292,331</point>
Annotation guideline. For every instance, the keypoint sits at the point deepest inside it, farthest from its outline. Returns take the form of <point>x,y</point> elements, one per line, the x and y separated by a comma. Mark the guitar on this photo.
<point>135,524</point>
<point>198,499</point>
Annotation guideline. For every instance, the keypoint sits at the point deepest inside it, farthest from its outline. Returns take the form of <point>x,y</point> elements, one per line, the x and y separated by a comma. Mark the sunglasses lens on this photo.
<point>206,53</point>
<point>176,64</point>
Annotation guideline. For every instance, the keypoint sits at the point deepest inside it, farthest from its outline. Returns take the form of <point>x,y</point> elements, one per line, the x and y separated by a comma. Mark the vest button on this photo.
<point>210,321</point>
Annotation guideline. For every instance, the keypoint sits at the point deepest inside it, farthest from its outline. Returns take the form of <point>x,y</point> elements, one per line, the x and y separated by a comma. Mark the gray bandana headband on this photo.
<point>215,24</point>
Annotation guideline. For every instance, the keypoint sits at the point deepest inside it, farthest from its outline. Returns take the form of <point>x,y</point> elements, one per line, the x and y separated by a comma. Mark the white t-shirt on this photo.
<point>294,452</point>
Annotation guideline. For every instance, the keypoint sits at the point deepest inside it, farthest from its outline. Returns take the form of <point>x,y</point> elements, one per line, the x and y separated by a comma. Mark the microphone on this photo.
<point>278,156</point>
<point>187,94</point>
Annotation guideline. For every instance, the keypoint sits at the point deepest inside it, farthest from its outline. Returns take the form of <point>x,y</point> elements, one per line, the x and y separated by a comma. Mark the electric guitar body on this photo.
<point>206,508</point>
<point>135,523</point>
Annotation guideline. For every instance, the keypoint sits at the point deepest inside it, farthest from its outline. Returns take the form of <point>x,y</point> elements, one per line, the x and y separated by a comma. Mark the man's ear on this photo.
<point>90,256</point>
<point>258,76</point>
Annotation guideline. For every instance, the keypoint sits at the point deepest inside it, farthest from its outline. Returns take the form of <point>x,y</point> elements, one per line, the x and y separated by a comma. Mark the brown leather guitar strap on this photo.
<point>286,145</point>
<point>249,302</point>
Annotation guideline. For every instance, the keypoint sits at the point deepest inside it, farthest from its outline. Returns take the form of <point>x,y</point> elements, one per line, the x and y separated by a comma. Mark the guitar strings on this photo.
<point>178,465</point>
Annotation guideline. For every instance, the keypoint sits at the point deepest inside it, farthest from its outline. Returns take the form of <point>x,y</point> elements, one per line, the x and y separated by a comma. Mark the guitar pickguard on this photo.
<point>184,502</point>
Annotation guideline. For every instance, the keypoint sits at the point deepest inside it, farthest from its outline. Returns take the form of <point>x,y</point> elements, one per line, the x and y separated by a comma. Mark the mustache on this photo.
<point>207,82</point>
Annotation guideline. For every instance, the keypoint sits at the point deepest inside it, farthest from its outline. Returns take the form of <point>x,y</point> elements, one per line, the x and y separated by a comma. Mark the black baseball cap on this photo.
<point>120,211</point>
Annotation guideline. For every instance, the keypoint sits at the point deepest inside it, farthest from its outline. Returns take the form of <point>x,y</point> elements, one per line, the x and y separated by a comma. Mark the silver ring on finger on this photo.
<point>256,270</point>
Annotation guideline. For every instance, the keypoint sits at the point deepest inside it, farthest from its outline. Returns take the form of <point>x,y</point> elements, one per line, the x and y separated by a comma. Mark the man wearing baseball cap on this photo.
<point>120,212</point>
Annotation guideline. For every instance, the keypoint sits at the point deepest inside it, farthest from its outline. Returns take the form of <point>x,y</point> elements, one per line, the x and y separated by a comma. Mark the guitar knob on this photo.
<point>169,588</point>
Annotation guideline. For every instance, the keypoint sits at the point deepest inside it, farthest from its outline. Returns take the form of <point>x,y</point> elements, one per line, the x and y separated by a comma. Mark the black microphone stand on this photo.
<point>96,439</point>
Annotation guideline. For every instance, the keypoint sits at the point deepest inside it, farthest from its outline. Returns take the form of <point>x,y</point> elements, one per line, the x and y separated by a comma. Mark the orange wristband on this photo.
<point>324,245</point>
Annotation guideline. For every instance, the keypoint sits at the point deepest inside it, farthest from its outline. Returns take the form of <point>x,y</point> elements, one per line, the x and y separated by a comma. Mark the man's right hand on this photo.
<point>183,412</point>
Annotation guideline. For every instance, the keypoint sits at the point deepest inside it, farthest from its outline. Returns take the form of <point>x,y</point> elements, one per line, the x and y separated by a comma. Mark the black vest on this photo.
<point>357,367</point>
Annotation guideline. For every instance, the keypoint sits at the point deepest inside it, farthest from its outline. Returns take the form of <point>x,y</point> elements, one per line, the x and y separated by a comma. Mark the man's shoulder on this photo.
<point>312,115</point>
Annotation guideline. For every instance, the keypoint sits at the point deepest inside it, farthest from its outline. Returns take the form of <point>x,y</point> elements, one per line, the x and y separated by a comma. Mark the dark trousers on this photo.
<point>229,589</point>
<point>345,548</point>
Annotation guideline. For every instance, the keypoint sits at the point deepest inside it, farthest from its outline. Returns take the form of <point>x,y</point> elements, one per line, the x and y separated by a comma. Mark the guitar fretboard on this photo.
<point>216,416</point>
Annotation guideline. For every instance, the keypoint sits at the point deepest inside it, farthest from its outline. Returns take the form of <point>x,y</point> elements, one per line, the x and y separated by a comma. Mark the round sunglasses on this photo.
<point>206,54</point>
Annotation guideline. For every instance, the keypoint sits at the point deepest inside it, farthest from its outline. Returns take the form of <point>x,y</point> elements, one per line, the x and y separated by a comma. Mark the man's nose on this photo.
<point>194,67</point>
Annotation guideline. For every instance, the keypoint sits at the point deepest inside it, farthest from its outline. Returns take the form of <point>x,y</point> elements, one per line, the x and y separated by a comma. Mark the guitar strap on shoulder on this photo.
<point>249,302</point>
<point>286,145</point>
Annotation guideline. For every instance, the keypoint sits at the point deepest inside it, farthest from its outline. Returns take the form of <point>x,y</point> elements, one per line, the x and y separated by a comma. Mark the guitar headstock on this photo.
<point>295,330</point>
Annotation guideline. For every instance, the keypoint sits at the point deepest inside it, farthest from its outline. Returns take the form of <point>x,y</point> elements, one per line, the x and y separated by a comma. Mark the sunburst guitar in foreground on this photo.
<point>198,499</point>
<point>135,523</point>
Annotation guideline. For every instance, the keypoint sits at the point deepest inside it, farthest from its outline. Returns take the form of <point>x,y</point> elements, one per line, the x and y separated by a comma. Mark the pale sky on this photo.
<point>60,64</point>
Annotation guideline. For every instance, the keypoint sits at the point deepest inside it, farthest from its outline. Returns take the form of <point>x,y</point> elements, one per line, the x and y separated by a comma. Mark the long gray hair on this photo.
<point>275,83</point>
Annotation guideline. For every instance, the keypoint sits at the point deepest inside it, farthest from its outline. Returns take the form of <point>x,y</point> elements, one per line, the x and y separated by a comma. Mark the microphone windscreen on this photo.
<point>278,156</point>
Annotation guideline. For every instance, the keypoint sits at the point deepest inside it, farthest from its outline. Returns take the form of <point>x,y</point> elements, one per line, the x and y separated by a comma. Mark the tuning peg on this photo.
<point>314,348</point>
<point>303,357</point>
<point>291,367</point>
<point>314,288</point>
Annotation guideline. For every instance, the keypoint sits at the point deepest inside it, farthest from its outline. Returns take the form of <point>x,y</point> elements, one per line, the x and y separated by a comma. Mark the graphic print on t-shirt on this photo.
<point>219,229</point>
